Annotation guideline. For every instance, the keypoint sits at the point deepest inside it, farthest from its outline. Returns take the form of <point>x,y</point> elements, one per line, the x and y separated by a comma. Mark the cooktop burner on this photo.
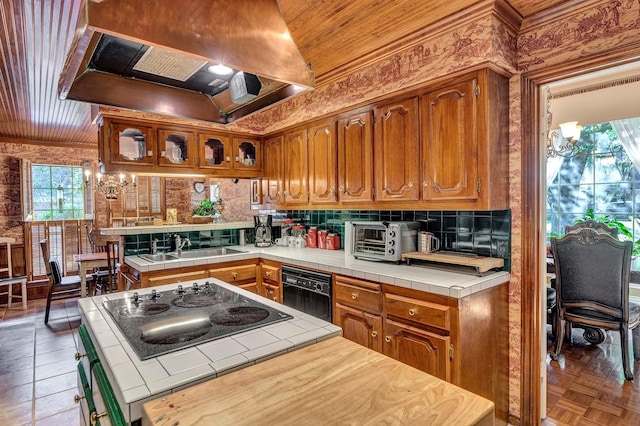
<point>163,322</point>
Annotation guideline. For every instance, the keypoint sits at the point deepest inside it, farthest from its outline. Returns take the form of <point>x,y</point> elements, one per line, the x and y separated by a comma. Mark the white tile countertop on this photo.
<point>135,382</point>
<point>455,282</point>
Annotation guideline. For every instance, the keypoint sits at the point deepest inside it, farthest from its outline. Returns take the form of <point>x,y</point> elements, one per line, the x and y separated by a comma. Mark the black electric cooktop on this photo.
<point>163,322</point>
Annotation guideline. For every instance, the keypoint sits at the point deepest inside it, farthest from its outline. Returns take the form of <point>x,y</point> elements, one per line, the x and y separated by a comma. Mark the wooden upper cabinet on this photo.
<point>355,158</point>
<point>449,142</point>
<point>177,148</point>
<point>296,154</point>
<point>215,151</point>
<point>130,143</point>
<point>465,125</point>
<point>397,151</point>
<point>247,154</point>
<point>323,168</point>
<point>273,180</point>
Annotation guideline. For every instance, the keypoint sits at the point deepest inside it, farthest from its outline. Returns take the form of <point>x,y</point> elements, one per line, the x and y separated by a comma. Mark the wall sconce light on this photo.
<point>563,143</point>
<point>60,197</point>
<point>109,186</point>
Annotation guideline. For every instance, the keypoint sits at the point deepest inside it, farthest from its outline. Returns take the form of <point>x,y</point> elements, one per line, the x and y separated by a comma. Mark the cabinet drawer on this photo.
<point>358,294</point>
<point>272,292</point>
<point>234,273</point>
<point>420,311</point>
<point>177,278</point>
<point>271,274</point>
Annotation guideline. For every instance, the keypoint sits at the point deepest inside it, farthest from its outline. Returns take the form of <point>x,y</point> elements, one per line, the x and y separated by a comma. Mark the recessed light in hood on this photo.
<point>128,55</point>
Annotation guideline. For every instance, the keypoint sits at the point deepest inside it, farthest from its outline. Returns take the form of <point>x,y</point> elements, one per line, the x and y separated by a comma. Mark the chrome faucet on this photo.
<point>180,243</point>
<point>154,246</point>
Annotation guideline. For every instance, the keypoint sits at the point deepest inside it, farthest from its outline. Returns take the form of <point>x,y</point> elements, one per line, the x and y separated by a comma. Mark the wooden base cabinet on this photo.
<point>359,326</point>
<point>463,341</point>
<point>270,280</point>
<point>419,348</point>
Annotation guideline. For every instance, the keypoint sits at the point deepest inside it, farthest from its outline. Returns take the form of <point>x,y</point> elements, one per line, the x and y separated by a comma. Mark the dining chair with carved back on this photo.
<point>592,287</point>
<point>60,286</point>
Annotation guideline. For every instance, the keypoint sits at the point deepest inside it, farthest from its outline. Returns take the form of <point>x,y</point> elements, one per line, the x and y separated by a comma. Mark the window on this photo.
<point>601,178</point>
<point>57,192</point>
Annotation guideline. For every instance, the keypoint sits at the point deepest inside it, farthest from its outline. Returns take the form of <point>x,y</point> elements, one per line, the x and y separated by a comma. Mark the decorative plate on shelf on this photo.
<point>199,187</point>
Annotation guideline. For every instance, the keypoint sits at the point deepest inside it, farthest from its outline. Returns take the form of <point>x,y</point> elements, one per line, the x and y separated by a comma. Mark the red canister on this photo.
<point>333,242</point>
<point>312,237</point>
<point>322,239</point>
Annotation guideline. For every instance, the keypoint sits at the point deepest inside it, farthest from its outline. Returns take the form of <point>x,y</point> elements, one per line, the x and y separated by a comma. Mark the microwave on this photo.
<point>385,241</point>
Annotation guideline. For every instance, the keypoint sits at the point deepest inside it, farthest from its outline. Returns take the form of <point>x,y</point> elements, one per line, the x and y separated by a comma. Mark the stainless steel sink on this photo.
<point>160,257</point>
<point>216,251</point>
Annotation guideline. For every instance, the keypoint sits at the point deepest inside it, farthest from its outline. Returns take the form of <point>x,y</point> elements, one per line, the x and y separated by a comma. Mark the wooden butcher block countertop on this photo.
<point>333,382</point>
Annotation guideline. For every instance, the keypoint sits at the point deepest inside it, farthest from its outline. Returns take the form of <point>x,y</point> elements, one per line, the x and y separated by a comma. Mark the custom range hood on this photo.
<point>155,56</point>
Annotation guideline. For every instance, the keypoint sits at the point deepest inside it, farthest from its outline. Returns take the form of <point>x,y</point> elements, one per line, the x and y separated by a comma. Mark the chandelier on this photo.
<point>563,143</point>
<point>109,186</point>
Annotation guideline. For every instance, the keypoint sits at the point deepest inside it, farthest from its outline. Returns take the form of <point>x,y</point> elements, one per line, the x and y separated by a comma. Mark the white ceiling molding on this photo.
<point>597,97</point>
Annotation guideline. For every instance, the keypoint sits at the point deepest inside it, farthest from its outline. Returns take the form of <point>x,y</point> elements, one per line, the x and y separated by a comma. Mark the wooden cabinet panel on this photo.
<point>176,148</point>
<point>323,167</point>
<point>359,326</point>
<point>130,143</point>
<point>432,314</point>
<point>272,292</point>
<point>215,151</point>
<point>185,277</point>
<point>247,154</point>
<point>355,158</point>
<point>449,143</point>
<point>252,287</point>
<point>296,155</point>
<point>273,181</point>
<point>397,151</point>
<point>418,348</point>
<point>271,274</point>
<point>234,273</point>
<point>358,294</point>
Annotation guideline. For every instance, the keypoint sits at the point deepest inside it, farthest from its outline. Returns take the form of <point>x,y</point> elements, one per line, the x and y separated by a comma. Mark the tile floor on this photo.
<point>38,378</point>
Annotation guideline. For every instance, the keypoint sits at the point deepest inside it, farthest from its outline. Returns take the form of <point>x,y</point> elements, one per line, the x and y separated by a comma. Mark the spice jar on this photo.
<point>322,239</point>
<point>333,242</point>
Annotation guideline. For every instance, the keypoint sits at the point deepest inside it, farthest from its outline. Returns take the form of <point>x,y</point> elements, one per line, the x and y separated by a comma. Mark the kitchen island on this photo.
<point>135,381</point>
<point>332,382</point>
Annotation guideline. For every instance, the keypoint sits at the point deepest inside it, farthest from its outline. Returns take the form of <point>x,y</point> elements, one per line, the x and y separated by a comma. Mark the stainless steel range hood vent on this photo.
<point>153,56</point>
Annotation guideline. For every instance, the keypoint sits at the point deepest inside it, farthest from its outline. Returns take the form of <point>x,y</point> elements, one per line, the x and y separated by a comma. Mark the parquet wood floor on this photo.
<point>586,386</point>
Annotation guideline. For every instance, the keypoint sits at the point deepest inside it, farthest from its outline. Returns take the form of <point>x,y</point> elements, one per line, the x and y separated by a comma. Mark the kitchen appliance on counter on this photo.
<point>263,230</point>
<point>384,241</point>
<point>307,291</point>
<point>163,322</point>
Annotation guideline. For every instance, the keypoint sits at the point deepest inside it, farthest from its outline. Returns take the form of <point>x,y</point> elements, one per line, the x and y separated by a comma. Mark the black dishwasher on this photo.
<point>307,291</point>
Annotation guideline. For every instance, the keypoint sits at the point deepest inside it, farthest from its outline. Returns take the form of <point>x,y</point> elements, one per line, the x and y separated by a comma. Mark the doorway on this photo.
<point>590,98</point>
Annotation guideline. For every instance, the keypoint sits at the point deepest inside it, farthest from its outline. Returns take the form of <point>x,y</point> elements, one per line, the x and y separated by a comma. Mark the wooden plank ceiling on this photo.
<point>35,37</point>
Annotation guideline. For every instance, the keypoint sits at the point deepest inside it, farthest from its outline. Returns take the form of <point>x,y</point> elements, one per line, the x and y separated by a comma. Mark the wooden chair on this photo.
<point>112,265</point>
<point>592,287</point>
<point>60,287</point>
<point>10,280</point>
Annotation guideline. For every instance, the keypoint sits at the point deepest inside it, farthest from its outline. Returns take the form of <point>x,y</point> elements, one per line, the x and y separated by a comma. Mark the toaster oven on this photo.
<point>385,241</point>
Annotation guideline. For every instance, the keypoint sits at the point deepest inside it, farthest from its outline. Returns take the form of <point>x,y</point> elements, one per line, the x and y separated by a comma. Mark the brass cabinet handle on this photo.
<point>341,189</point>
<point>425,183</point>
<point>410,185</point>
<point>267,273</point>
<point>235,275</point>
<point>78,398</point>
<point>387,339</point>
<point>275,298</point>
<point>354,296</point>
<point>95,417</point>
<point>412,312</point>
<point>374,333</point>
<point>79,356</point>
<point>332,190</point>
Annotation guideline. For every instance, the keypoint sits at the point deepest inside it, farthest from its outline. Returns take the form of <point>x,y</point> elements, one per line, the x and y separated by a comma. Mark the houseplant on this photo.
<point>204,212</point>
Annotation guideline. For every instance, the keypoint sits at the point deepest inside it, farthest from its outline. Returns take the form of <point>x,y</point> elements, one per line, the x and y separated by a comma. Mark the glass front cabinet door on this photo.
<point>247,154</point>
<point>131,143</point>
<point>176,148</point>
<point>215,151</point>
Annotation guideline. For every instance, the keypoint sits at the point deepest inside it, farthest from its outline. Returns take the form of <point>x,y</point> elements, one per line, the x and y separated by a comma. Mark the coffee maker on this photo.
<point>263,230</point>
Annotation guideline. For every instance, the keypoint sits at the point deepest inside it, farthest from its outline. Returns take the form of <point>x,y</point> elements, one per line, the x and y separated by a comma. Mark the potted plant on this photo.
<point>623,232</point>
<point>204,212</point>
